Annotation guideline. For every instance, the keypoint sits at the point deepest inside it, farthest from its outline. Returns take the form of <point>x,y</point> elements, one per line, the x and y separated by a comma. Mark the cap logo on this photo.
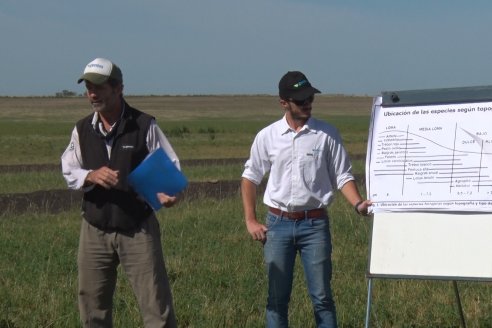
<point>99,66</point>
<point>300,83</point>
<point>95,65</point>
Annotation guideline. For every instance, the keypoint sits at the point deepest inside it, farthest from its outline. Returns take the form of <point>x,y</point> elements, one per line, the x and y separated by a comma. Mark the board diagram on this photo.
<point>431,158</point>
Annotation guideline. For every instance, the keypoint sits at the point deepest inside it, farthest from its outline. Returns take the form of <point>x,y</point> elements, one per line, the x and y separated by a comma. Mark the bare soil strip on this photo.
<point>55,201</point>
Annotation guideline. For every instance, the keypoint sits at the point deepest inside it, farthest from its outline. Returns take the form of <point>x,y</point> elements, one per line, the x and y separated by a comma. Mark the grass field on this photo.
<point>215,268</point>
<point>37,130</point>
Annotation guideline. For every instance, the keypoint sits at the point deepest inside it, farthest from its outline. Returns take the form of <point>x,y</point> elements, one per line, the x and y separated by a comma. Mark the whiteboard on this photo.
<point>431,245</point>
<point>422,238</point>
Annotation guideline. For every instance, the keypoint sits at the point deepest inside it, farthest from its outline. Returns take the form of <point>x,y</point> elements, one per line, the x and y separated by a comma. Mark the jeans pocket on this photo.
<point>320,224</point>
<point>271,220</point>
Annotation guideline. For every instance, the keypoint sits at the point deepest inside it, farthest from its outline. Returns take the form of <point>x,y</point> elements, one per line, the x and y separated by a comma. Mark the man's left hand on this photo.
<point>166,200</point>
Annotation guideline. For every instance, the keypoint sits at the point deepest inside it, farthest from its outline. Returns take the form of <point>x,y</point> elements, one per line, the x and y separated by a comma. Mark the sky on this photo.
<point>206,47</point>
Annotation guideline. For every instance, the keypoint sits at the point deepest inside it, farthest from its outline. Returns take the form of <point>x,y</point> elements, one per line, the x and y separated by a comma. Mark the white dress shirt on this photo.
<point>72,163</point>
<point>305,168</point>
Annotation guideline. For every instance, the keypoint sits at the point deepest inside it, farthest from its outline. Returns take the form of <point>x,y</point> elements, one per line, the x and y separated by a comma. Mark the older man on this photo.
<point>118,227</point>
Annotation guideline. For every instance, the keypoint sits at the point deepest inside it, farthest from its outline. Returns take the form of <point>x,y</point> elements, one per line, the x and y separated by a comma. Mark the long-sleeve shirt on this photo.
<point>72,162</point>
<point>305,168</point>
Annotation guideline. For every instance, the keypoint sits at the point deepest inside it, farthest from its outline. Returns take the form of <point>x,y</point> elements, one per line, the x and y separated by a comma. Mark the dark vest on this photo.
<point>119,208</point>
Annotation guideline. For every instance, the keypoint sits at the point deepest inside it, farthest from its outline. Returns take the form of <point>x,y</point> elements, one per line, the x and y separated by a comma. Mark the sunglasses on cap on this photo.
<point>309,99</point>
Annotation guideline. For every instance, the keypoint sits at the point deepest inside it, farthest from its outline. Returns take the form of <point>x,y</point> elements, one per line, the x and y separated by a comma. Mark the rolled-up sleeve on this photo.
<point>258,164</point>
<point>341,164</point>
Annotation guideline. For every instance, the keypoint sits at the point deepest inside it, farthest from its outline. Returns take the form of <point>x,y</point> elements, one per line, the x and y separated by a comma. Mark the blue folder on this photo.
<point>157,173</point>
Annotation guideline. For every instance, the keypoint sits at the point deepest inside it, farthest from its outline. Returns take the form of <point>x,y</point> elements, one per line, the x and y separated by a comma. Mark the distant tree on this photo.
<point>65,93</point>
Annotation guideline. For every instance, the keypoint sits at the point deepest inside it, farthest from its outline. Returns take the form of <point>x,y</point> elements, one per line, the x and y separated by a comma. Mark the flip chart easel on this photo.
<point>429,244</point>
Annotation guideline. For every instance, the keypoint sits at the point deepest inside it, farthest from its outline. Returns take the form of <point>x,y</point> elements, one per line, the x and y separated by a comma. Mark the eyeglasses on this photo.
<point>309,100</point>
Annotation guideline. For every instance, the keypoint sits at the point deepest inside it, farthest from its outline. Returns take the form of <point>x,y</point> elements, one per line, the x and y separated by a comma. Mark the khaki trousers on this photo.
<point>140,255</point>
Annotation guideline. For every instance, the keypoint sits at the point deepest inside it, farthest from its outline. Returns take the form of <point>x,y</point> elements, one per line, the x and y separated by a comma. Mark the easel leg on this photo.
<point>458,301</point>
<point>368,308</point>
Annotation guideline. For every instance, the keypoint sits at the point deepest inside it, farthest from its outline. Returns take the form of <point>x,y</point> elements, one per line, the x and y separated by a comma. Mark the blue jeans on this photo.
<point>312,240</point>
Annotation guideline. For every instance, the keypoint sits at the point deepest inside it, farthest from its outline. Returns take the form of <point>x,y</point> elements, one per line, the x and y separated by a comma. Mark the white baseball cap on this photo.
<point>100,70</point>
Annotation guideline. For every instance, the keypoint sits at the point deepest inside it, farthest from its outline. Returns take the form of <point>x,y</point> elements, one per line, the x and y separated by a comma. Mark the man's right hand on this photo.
<point>257,230</point>
<point>105,177</point>
<point>248,194</point>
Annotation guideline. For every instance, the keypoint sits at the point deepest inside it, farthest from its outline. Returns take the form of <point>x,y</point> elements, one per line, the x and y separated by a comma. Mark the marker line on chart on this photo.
<point>452,161</point>
<point>404,162</point>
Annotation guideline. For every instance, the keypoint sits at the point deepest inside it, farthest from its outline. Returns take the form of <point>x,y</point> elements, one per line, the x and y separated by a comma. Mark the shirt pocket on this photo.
<point>311,162</point>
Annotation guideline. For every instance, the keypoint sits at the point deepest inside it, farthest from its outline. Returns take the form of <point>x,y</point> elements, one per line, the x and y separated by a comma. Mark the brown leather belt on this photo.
<point>300,215</point>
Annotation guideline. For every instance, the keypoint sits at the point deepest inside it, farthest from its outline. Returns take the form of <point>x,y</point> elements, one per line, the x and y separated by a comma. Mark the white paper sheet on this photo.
<point>430,158</point>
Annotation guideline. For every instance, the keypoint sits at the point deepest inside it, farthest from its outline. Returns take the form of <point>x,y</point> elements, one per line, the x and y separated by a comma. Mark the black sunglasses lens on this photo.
<point>304,101</point>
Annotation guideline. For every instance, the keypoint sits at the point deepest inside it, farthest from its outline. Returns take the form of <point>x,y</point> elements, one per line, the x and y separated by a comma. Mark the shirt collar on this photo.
<point>95,117</point>
<point>284,127</point>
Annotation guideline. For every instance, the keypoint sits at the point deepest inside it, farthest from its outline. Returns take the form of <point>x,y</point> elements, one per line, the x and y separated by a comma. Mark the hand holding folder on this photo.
<point>157,173</point>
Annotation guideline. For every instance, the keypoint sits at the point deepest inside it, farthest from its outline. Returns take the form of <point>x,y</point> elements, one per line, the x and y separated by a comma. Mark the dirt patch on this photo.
<point>55,201</point>
<point>57,167</point>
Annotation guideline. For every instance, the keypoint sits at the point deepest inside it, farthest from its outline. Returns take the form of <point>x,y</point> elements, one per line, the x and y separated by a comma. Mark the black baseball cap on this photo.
<point>295,85</point>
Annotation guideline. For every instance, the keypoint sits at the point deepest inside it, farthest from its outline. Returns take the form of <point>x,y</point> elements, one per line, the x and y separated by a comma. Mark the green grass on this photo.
<point>29,181</point>
<point>37,130</point>
<point>216,270</point>
<point>43,143</point>
<point>217,275</point>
